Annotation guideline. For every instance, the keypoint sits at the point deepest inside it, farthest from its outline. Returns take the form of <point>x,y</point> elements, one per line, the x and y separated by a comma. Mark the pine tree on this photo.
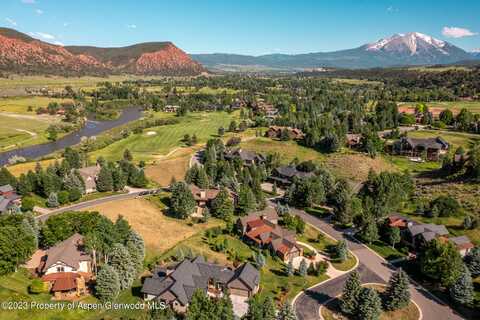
<point>260,260</point>
<point>397,295</point>
<point>200,307</point>
<point>462,290</point>
<point>369,232</point>
<point>136,248</point>
<point>246,200</point>
<point>52,201</point>
<point>127,155</point>
<point>286,312</point>
<point>107,285</point>
<point>290,269</point>
<point>351,292</point>
<point>472,260</point>
<point>182,201</point>
<point>202,179</point>
<point>255,309</point>
<point>269,310</point>
<point>224,308</point>
<point>369,304</point>
<point>105,179</point>
<point>123,264</point>
<point>222,205</point>
<point>341,250</point>
<point>302,270</point>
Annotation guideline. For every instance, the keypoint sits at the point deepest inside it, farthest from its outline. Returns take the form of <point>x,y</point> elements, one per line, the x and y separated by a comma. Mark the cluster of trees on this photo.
<point>117,250</point>
<point>18,240</point>
<point>466,163</point>
<point>367,304</point>
<point>266,309</point>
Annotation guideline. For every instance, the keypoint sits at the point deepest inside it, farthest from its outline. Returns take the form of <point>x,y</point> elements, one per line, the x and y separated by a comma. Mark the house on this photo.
<point>8,198</point>
<point>247,157</point>
<point>170,108</point>
<point>432,148</point>
<point>203,198</point>
<point>415,234</point>
<point>285,175</point>
<point>275,132</point>
<point>463,244</point>
<point>89,176</point>
<point>261,229</point>
<point>176,284</point>
<point>66,267</point>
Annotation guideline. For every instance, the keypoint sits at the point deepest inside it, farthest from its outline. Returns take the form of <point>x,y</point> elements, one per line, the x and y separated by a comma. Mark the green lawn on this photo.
<point>158,141</point>
<point>20,132</point>
<point>21,104</point>
<point>455,106</point>
<point>456,139</point>
<point>385,250</point>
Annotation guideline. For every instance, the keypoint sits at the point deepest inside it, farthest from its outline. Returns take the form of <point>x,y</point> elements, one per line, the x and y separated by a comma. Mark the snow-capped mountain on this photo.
<point>401,49</point>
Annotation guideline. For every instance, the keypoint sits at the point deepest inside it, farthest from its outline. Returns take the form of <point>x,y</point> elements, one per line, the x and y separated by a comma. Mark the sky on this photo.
<point>243,26</point>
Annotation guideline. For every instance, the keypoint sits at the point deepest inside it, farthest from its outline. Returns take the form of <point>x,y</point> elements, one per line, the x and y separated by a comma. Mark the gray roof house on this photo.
<point>89,176</point>
<point>8,198</point>
<point>176,284</point>
<point>286,174</point>
<point>248,157</point>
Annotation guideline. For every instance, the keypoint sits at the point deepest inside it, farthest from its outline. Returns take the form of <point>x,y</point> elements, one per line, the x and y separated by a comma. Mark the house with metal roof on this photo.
<point>432,148</point>
<point>176,284</point>
<point>285,175</point>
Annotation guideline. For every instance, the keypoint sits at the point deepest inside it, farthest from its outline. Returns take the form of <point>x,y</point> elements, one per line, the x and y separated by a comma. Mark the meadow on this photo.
<point>21,105</point>
<point>455,106</point>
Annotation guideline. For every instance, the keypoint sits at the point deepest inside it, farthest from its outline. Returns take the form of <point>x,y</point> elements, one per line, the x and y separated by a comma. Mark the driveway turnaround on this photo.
<point>372,268</point>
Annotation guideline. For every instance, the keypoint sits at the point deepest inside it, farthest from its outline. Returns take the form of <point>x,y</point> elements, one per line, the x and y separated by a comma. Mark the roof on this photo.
<point>428,231</point>
<point>92,171</point>
<point>462,242</point>
<point>4,203</point>
<point>245,155</point>
<point>427,143</point>
<point>291,171</point>
<point>269,214</point>
<point>6,188</point>
<point>62,281</point>
<point>69,251</point>
<point>203,194</point>
<point>190,275</point>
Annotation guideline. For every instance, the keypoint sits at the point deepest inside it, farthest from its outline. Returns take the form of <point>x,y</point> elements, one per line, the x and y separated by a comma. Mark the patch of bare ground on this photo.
<point>164,170</point>
<point>355,166</point>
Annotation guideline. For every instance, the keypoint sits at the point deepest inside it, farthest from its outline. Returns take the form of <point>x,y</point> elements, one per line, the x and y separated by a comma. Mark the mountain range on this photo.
<point>412,48</point>
<point>20,53</point>
<point>23,54</point>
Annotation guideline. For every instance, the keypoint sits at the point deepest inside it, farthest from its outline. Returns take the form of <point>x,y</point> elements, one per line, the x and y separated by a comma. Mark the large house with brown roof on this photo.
<point>285,175</point>
<point>66,267</point>
<point>432,148</point>
<point>262,230</point>
<point>275,132</point>
<point>416,235</point>
<point>247,157</point>
<point>203,198</point>
<point>175,284</point>
<point>89,176</point>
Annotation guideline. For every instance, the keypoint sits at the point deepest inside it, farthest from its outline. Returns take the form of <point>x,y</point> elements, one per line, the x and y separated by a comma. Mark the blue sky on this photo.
<point>244,26</point>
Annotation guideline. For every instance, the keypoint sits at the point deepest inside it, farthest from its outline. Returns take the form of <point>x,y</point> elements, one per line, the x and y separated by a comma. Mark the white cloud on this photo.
<point>392,9</point>
<point>43,35</point>
<point>39,12</point>
<point>456,32</point>
<point>58,43</point>
<point>66,24</point>
<point>11,21</point>
<point>29,1</point>
<point>131,26</point>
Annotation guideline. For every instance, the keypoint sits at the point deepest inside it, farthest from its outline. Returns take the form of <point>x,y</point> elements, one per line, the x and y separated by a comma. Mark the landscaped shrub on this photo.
<point>38,286</point>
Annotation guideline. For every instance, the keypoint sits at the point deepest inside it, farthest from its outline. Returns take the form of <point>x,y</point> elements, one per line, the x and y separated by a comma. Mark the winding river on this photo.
<point>91,128</point>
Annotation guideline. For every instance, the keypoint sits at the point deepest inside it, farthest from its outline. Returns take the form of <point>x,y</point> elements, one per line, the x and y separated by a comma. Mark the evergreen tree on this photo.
<point>246,200</point>
<point>200,307</point>
<point>255,309</point>
<point>397,295</point>
<point>127,155</point>
<point>341,250</point>
<point>351,291</point>
<point>290,269</point>
<point>52,201</point>
<point>7,178</point>
<point>462,290</point>
<point>222,205</point>
<point>202,179</point>
<point>107,285</point>
<point>472,260</point>
<point>393,235</point>
<point>182,201</point>
<point>369,304</point>
<point>224,308</point>
<point>123,264</point>
<point>136,248</point>
<point>73,158</point>
<point>74,181</point>
<point>302,270</point>
<point>369,231</point>
<point>269,310</point>
<point>286,312</point>
<point>260,260</point>
<point>105,179</point>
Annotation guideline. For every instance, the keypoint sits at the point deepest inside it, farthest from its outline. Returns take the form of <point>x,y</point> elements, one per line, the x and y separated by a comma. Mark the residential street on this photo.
<point>372,268</point>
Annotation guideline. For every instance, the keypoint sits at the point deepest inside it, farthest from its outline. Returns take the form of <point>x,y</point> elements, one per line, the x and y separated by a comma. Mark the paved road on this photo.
<point>86,204</point>
<point>372,268</point>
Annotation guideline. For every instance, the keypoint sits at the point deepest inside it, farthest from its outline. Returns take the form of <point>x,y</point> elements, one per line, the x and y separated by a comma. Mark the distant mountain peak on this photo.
<point>412,42</point>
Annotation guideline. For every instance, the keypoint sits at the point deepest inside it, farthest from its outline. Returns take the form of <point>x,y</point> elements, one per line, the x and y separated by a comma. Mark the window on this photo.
<point>60,269</point>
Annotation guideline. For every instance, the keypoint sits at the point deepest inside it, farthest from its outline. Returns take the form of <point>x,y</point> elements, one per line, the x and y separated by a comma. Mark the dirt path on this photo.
<point>33,134</point>
<point>42,117</point>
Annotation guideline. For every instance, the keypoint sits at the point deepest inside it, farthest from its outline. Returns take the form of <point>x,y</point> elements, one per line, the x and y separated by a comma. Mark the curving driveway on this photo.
<point>372,268</point>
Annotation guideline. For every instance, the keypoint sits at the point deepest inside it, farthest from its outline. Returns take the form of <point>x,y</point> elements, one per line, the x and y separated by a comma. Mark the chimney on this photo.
<point>203,194</point>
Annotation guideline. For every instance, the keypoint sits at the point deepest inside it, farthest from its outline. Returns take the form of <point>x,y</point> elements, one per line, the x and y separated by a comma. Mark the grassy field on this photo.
<point>21,131</point>
<point>156,142</point>
<point>21,104</point>
<point>456,139</point>
<point>159,231</point>
<point>331,311</point>
<point>455,106</point>
<point>174,166</point>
